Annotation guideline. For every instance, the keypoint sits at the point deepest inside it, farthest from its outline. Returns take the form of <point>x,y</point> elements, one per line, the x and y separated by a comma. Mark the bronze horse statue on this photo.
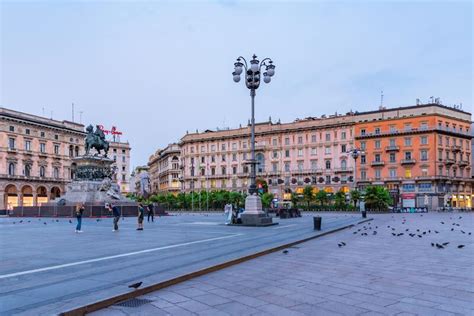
<point>96,140</point>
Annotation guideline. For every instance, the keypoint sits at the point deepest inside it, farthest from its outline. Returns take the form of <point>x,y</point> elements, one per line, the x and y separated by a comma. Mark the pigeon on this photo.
<point>401,234</point>
<point>406,229</point>
<point>442,223</point>
<point>417,230</point>
<point>420,236</point>
<point>29,221</point>
<point>439,246</point>
<point>354,233</point>
<point>375,232</point>
<point>460,217</point>
<point>393,228</point>
<point>21,221</point>
<point>429,231</point>
<point>135,285</point>
<point>339,245</point>
<point>437,232</point>
<point>432,244</point>
<point>57,221</point>
<point>393,234</point>
<point>461,246</point>
<point>343,243</point>
<point>424,233</point>
<point>452,229</point>
<point>462,231</point>
<point>70,222</point>
<point>285,251</point>
<point>445,243</point>
<point>469,233</point>
<point>45,223</point>
<point>457,225</point>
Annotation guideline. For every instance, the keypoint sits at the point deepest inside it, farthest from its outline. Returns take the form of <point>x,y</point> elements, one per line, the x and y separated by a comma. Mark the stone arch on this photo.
<point>41,195</point>
<point>11,196</point>
<point>27,196</point>
<point>55,193</point>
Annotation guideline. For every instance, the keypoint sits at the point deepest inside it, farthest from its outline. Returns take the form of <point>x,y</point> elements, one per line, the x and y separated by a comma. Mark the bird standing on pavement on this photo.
<point>135,285</point>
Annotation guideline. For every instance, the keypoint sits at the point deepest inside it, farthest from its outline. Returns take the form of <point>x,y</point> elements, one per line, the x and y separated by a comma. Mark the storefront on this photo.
<point>408,200</point>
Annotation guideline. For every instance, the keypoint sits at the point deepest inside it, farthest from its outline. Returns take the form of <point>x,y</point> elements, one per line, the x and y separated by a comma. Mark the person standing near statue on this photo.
<point>116,213</point>
<point>151,213</point>
<point>79,212</point>
<point>141,215</point>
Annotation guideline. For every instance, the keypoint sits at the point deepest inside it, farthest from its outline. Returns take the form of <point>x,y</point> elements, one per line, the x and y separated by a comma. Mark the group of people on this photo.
<point>116,215</point>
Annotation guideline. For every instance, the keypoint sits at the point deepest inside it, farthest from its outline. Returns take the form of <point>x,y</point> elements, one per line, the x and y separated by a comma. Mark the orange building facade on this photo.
<point>422,154</point>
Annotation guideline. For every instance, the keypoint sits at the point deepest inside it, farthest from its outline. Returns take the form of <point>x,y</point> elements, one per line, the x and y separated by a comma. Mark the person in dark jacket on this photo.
<point>79,212</point>
<point>141,215</point>
<point>150,213</point>
<point>116,213</point>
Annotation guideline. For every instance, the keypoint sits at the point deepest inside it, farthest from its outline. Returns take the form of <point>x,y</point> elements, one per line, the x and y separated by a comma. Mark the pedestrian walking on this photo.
<point>151,212</point>
<point>79,212</point>
<point>141,215</point>
<point>116,213</point>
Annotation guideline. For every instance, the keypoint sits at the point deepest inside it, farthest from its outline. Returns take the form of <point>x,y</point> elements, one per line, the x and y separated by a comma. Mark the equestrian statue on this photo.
<point>96,139</point>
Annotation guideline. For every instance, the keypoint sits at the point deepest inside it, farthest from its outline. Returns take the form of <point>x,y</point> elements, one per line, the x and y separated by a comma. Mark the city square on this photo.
<point>131,183</point>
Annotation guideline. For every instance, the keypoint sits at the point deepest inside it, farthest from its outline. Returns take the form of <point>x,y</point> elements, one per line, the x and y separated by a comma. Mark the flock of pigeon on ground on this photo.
<point>416,233</point>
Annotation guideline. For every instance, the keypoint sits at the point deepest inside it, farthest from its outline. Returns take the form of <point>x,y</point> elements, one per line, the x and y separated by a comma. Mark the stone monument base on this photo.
<point>253,214</point>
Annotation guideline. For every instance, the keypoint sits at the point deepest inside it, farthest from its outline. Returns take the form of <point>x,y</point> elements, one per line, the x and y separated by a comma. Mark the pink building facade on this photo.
<point>311,151</point>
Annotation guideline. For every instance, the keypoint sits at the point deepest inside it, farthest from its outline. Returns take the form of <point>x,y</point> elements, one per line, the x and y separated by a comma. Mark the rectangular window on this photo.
<point>300,166</point>
<point>27,131</point>
<point>343,148</point>
<point>245,156</point>
<point>408,155</point>
<point>393,173</point>
<point>424,155</point>
<point>213,158</point>
<point>377,157</point>
<point>27,145</point>
<point>377,131</point>
<point>363,174</point>
<point>11,143</point>
<point>424,187</point>
<point>328,137</point>
<point>313,138</point>
<point>407,141</point>
<point>12,128</point>
<point>408,187</point>
<point>300,152</point>
<point>275,154</point>
<point>234,157</point>
<point>343,135</point>
<point>407,127</point>
<point>407,173</point>
<point>287,153</point>
<point>223,147</point>
<point>287,167</point>
<point>43,147</point>
<point>392,142</point>
<point>362,159</point>
<point>424,140</point>
<point>393,129</point>
<point>234,146</point>
<point>56,137</point>
<point>377,174</point>
<point>275,142</point>
<point>362,145</point>
<point>287,141</point>
<point>314,164</point>
<point>392,158</point>
<point>234,170</point>
<point>314,151</point>
<point>42,134</point>
<point>423,126</point>
<point>327,150</point>
<point>377,144</point>
<point>213,147</point>
<point>223,158</point>
<point>223,170</point>
<point>275,167</point>
<point>362,132</point>
<point>56,149</point>
<point>300,140</point>
<point>123,158</point>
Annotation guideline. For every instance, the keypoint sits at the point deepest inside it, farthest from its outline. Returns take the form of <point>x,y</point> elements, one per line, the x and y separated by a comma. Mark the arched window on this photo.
<point>11,169</point>
<point>260,162</point>
<point>56,173</point>
<point>42,171</point>
<point>328,164</point>
<point>27,170</point>
<point>71,151</point>
<point>343,165</point>
<point>77,151</point>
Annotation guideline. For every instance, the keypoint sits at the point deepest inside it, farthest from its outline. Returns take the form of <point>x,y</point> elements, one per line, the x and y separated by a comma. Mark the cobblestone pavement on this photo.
<point>374,274</point>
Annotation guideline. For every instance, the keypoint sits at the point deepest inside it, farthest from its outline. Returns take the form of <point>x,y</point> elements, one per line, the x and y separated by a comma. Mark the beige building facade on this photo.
<point>35,157</point>
<point>120,153</point>
<point>165,170</point>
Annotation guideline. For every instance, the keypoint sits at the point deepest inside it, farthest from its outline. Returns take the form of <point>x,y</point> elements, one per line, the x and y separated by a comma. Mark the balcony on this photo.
<point>463,163</point>
<point>449,161</point>
<point>408,161</point>
<point>12,150</point>
<point>377,163</point>
<point>343,170</point>
<point>456,148</point>
<point>392,148</point>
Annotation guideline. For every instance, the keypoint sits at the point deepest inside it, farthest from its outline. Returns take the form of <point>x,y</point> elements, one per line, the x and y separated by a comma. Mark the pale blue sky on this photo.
<point>161,68</point>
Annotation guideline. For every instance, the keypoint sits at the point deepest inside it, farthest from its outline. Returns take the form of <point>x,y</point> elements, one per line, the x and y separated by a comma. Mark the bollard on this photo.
<point>317,222</point>
<point>364,214</point>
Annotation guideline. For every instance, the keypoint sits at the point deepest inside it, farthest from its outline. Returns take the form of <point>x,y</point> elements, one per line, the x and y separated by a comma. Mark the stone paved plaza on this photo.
<point>378,274</point>
<point>46,268</point>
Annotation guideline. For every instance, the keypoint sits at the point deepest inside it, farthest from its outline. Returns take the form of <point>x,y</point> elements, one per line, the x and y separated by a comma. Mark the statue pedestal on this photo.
<point>253,214</point>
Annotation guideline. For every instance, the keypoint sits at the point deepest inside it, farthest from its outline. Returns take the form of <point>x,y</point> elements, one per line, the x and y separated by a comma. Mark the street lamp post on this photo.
<point>355,153</point>
<point>253,214</point>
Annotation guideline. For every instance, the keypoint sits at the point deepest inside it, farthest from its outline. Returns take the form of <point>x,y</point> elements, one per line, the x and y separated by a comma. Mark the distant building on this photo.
<point>165,171</point>
<point>120,152</point>
<point>140,179</point>
<point>36,157</point>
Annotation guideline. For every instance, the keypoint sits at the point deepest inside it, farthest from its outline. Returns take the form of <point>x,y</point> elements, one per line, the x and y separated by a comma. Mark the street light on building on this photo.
<point>253,214</point>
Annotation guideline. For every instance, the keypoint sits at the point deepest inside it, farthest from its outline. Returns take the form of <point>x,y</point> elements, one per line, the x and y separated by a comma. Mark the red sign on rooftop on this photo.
<point>113,131</point>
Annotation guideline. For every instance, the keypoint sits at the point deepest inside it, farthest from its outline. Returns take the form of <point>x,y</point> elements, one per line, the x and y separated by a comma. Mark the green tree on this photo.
<point>340,200</point>
<point>266,199</point>
<point>377,197</point>
<point>308,195</point>
<point>355,196</point>
<point>295,199</point>
<point>322,197</point>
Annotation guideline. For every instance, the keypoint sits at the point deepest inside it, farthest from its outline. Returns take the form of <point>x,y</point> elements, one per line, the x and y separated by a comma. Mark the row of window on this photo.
<point>73,151</point>
<point>392,142</point>
<point>450,172</point>
<point>393,157</point>
<point>41,133</point>
<point>275,141</point>
<point>27,170</point>
<point>422,126</point>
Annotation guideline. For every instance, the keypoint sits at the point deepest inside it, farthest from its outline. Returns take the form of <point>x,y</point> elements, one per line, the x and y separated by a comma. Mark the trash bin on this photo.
<point>317,222</point>
<point>364,214</point>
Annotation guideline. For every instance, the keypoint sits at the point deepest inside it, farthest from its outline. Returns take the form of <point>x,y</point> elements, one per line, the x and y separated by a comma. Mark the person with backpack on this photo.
<point>151,213</point>
<point>79,212</point>
<point>141,215</point>
<point>116,213</point>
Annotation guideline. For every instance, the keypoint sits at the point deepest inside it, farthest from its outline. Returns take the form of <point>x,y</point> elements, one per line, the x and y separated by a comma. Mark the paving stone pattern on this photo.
<point>378,274</point>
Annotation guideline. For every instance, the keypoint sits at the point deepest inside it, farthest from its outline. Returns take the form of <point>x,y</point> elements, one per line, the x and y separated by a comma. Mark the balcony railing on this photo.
<point>449,161</point>
<point>463,163</point>
<point>456,148</point>
<point>408,161</point>
<point>392,148</point>
<point>377,163</point>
